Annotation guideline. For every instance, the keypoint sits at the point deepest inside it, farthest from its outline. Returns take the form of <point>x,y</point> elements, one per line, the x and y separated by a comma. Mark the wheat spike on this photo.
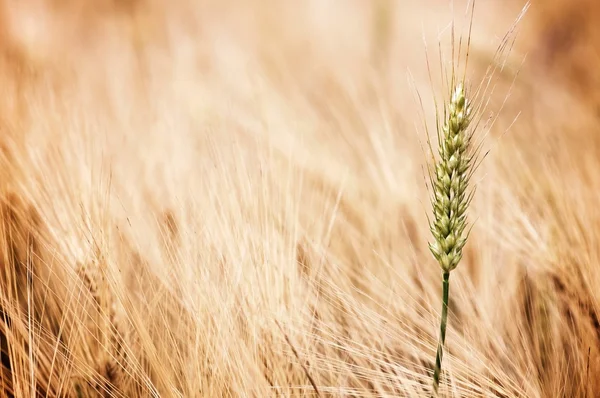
<point>450,182</point>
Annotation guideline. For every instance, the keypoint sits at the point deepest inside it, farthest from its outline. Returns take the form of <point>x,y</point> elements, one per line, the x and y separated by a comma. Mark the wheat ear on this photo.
<point>450,176</point>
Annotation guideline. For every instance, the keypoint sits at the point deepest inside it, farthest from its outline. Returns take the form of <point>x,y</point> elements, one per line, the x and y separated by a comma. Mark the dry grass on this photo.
<point>227,199</point>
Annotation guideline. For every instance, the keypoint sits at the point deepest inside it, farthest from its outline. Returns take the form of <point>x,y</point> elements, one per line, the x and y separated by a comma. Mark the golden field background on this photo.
<point>227,198</point>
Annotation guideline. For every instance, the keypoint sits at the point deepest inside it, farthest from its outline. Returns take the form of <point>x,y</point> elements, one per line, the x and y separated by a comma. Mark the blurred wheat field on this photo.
<point>226,198</point>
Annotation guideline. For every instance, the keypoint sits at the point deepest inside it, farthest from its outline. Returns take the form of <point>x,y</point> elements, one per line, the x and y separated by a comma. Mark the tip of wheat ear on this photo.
<point>450,181</point>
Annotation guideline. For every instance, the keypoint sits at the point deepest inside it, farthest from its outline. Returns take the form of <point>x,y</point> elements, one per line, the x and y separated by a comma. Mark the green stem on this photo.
<point>444,320</point>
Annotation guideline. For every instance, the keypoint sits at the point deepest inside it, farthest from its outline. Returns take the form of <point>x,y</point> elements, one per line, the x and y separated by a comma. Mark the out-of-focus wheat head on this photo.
<point>225,199</point>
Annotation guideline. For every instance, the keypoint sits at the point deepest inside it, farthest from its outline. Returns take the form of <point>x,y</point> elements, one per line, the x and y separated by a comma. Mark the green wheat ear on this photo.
<point>450,181</point>
<point>450,176</point>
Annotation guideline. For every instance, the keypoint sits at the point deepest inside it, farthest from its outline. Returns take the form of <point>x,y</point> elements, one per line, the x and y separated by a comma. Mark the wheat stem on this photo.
<point>443,322</point>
